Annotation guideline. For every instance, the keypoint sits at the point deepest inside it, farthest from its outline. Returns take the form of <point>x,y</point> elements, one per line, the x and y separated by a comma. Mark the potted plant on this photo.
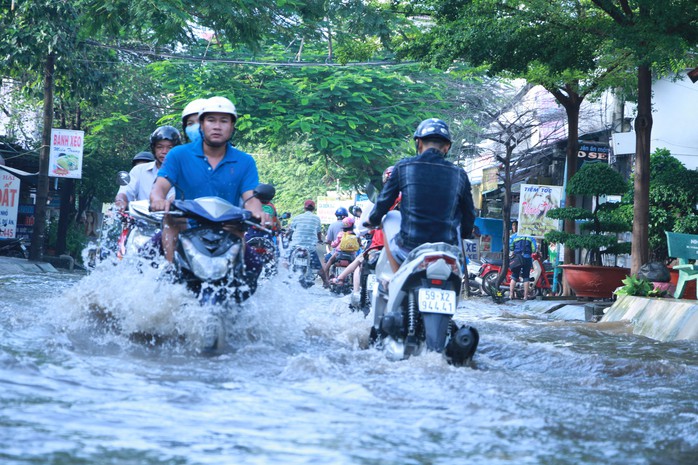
<point>598,232</point>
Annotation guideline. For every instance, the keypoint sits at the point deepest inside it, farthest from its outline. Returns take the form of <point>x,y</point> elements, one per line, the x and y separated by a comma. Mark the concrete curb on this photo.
<point>661,319</point>
<point>11,265</point>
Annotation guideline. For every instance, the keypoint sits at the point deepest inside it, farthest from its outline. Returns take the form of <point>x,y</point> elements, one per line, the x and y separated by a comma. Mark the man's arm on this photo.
<point>255,207</point>
<point>467,209</point>
<point>158,195</point>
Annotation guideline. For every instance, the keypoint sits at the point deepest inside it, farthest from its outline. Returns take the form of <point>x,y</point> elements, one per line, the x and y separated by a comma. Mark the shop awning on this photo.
<point>31,177</point>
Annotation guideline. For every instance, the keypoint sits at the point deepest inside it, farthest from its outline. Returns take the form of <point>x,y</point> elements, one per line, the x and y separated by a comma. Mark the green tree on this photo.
<point>673,196</point>
<point>553,44</point>
<point>657,34</point>
<point>354,121</point>
<point>43,39</point>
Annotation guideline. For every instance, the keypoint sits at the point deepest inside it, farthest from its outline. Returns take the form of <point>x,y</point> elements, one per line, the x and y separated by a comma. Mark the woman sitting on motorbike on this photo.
<point>376,244</point>
<point>342,244</point>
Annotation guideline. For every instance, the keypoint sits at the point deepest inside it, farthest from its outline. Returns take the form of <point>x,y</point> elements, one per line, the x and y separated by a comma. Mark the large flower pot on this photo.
<point>690,289</point>
<point>596,282</point>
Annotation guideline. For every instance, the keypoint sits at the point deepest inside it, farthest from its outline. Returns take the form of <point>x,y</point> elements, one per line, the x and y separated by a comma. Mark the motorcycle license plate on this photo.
<point>300,262</point>
<point>372,282</point>
<point>437,301</point>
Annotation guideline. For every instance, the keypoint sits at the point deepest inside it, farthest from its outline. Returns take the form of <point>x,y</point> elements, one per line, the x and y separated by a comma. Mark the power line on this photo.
<point>190,58</point>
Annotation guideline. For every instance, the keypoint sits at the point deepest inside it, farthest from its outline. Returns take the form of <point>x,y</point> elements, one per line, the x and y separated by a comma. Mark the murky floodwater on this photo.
<point>295,384</point>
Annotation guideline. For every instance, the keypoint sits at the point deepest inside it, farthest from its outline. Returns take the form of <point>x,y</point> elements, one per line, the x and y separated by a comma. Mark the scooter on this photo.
<point>134,233</point>
<point>13,247</point>
<point>368,283</point>
<point>263,253</point>
<point>140,235</point>
<point>540,283</point>
<point>300,264</point>
<point>342,261</point>
<point>414,307</point>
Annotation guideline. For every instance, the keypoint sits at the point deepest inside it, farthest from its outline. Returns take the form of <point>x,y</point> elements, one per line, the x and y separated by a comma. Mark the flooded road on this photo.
<point>297,385</point>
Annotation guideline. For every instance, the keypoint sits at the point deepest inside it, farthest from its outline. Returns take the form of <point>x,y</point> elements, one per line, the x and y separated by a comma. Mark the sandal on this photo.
<point>337,282</point>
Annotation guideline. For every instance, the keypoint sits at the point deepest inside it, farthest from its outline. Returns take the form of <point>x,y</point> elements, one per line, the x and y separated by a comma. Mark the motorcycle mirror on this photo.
<point>265,192</point>
<point>371,192</point>
<point>355,211</point>
<point>123,178</point>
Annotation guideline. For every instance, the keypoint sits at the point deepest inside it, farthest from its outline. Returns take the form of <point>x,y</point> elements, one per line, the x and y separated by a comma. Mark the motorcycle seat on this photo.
<point>493,261</point>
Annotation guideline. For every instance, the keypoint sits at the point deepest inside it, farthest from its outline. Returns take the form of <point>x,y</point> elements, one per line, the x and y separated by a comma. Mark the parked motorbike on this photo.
<point>472,269</point>
<point>414,307</point>
<point>540,282</point>
<point>13,247</point>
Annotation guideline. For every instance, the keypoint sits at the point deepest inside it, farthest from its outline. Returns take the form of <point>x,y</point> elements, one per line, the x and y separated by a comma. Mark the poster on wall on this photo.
<point>65,159</point>
<point>9,204</point>
<point>535,201</point>
<point>485,243</point>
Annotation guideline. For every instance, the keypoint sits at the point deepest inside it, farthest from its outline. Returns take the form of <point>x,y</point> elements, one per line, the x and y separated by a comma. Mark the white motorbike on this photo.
<point>300,264</point>
<point>414,307</point>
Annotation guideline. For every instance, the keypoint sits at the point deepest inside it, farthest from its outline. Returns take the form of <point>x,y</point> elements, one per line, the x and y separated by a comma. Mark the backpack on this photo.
<point>522,245</point>
<point>349,243</point>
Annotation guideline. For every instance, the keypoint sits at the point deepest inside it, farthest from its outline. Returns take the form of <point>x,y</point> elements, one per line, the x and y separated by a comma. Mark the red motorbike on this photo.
<point>541,280</point>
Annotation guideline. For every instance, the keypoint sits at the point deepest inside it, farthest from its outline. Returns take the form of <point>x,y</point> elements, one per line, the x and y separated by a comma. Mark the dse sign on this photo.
<point>471,249</point>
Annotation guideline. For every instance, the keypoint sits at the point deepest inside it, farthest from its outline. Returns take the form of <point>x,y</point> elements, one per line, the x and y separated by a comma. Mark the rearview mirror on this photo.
<point>371,192</point>
<point>265,192</point>
<point>123,178</point>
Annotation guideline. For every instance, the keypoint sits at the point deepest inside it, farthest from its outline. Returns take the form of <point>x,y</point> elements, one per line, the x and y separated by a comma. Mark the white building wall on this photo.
<point>675,119</point>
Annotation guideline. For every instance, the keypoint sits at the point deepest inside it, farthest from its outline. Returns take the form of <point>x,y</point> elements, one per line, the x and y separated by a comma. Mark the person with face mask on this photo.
<point>142,176</point>
<point>190,120</point>
<point>212,168</point>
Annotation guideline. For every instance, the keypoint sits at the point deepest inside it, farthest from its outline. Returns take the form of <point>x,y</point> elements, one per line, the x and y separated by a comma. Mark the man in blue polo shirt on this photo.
<point>210,167</point>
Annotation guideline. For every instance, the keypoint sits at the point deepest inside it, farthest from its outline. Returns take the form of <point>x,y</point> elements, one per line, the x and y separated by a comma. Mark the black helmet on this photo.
<point>142,157</point>
<point>433,127</point>
<point>164,133</point>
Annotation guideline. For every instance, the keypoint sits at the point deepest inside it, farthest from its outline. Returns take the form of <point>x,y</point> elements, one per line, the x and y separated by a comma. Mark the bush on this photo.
<point>599,228</point>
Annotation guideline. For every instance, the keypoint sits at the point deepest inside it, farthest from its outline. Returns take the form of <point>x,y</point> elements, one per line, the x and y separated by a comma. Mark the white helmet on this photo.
<point>192,108</point>
<point>218,105</point>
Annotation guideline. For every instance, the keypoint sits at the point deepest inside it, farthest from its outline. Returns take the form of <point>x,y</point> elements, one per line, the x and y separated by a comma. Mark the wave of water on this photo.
<point>296,385</point>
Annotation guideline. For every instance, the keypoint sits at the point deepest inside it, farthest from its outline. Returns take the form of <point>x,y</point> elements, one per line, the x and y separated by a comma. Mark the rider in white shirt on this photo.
<point>143,175</point>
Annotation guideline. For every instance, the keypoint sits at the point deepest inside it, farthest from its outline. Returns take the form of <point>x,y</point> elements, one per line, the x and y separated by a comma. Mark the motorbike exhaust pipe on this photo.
<point>462,345</point>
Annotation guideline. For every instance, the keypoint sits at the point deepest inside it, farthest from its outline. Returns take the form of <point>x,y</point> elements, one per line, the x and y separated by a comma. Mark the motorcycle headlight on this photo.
<point>135,243</point>
<point>205,267</point>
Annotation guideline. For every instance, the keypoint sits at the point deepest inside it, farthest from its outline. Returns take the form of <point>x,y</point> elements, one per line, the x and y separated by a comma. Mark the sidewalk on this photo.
<point>11,265</point>
<point>665,319</point>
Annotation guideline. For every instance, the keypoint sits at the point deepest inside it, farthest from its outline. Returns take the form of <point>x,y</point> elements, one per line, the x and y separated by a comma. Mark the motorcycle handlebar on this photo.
<point>255,223</point>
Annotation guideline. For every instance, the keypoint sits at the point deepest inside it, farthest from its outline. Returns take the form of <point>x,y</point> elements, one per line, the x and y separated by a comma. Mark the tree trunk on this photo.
<point>643,131</point>
<point>39,231</point>
<point>572,110</point>
<point>67,214</point>
<point>506,217</point>
<point>571,102</point>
